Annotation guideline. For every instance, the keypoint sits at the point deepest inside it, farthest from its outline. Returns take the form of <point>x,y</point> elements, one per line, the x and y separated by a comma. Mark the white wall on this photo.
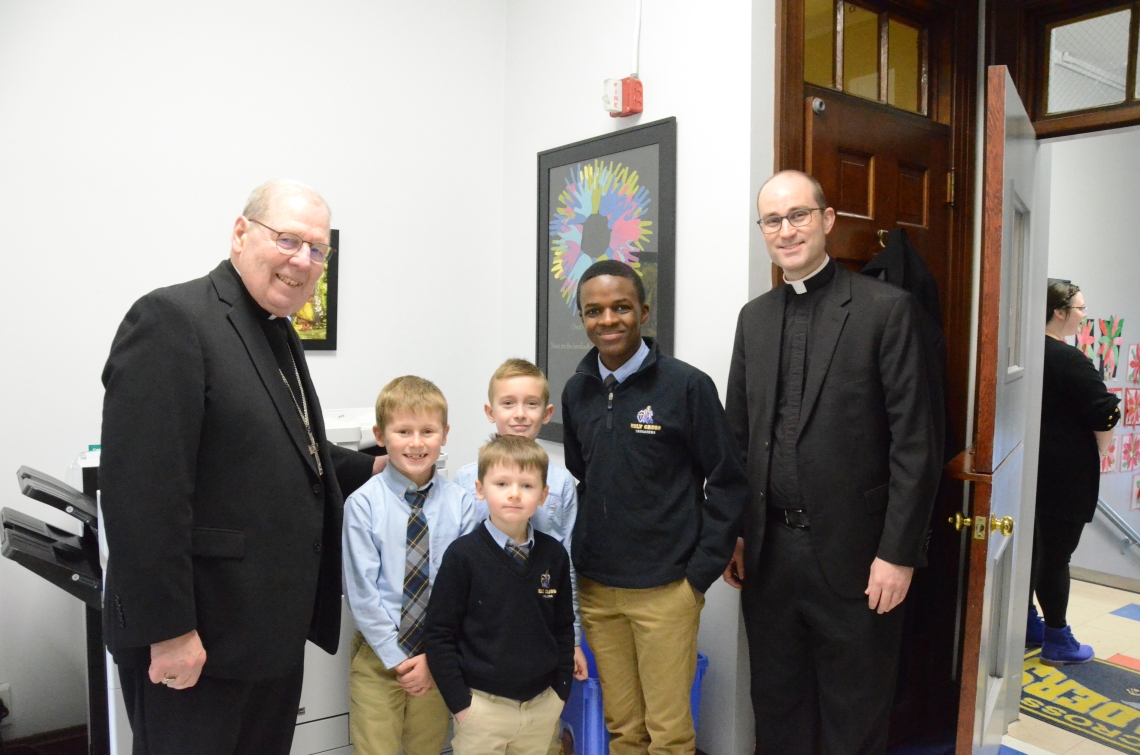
<point>132,133</point>
<point>698,63</point>
<point>1093,242</point>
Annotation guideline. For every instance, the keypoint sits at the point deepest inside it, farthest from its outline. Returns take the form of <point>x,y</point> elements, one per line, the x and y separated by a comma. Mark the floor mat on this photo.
<point>1098,700</point>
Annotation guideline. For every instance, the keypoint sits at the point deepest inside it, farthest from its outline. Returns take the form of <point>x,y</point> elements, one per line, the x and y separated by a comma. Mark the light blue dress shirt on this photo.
<point>503,539</point>
<point>375,549</point>
<point>555,517</point>
<point>632,365</point>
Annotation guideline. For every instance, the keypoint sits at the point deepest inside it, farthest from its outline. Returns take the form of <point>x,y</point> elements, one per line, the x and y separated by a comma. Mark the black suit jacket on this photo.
<point>867,448</point>
<point>214,512</point>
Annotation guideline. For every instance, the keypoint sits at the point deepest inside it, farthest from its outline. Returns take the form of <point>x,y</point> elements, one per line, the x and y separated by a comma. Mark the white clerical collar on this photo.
<point>800,286</point>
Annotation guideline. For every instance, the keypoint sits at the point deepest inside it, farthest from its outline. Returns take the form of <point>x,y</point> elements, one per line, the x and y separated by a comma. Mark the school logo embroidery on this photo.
<point>546,591</point>
<point>644,424</point>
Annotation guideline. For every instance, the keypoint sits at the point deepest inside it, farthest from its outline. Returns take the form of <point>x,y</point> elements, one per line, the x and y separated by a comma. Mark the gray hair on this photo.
<point>257,206</point>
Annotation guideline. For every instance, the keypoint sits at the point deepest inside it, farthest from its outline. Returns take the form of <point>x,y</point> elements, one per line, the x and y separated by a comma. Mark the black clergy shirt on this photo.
<point>800,310</point>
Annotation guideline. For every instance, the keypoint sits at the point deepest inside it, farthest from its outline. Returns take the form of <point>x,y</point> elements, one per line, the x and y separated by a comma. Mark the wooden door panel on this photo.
<point>856,183</point>
<point>913,196</point>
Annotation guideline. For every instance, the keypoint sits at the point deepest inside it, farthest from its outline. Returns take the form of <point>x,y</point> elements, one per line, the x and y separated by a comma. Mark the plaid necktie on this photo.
<point>411,635</point>
<point>519,553</point>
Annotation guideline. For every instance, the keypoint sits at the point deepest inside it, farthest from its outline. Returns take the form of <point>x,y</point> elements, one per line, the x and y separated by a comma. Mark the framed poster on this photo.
<point>612,197</point>
<point>316,322</point>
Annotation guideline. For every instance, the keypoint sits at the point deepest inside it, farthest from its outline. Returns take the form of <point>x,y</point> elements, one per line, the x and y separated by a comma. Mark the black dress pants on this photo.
<point>214,717</point>
<point>1054,542</point>
<point>823,666</point>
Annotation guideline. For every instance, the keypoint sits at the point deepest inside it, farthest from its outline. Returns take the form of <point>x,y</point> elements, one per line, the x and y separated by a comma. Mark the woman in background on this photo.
<point>1077,417</point>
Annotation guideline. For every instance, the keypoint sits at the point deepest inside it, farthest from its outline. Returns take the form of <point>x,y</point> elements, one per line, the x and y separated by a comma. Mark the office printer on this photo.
<point>74,562</point>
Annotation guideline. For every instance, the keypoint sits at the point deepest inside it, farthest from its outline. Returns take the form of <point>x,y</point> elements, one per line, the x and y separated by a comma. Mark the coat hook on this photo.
<point>883,239</point>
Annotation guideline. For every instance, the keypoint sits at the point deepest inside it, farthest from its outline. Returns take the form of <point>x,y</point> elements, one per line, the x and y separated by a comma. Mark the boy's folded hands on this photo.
<point>414,675</point>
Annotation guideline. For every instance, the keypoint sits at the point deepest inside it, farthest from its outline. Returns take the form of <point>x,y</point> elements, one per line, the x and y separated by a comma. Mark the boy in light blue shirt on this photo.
<point>396,529</point>
<point>519,404</point>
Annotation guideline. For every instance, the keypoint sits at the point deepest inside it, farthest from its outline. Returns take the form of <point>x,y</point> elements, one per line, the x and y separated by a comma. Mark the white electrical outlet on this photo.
<point>6,697</point>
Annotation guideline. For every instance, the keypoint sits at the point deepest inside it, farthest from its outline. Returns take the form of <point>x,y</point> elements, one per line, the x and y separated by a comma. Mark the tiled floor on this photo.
<point>1101,617</point>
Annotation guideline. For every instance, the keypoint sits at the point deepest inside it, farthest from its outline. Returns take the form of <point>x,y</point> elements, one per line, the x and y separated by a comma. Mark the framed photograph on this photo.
<point>612,197</point>
<point>316,322</point>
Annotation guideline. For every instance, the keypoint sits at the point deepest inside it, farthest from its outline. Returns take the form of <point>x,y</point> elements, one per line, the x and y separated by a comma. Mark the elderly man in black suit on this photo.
<point>221,496</point>
<point>828,399</point>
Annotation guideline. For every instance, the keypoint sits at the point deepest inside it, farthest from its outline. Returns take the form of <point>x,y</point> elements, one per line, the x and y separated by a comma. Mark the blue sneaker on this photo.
<point>1060,648</point>
<point>1034,628</point>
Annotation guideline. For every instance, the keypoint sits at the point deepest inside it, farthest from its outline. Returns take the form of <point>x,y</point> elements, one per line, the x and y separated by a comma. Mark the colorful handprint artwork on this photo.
<point>599,216</point>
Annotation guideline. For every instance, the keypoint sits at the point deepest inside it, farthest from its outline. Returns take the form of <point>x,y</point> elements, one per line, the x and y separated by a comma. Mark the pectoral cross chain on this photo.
<point>303,412</point>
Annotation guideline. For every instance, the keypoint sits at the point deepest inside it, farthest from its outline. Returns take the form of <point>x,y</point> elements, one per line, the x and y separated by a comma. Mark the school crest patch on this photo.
<point>644,424</point>
<point>545,590</point>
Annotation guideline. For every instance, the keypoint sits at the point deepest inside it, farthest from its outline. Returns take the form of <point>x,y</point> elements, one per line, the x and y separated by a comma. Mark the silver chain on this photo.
<point>302,412</point>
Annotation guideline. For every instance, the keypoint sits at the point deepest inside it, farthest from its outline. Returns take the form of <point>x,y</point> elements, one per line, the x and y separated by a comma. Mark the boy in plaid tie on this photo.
<point>396,529</point>
<point>500,634</point>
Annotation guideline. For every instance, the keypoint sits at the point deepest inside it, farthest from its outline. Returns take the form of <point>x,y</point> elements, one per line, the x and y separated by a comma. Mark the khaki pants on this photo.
<point>384,719</point>
<point>645,645</point>
<point>501,726</point>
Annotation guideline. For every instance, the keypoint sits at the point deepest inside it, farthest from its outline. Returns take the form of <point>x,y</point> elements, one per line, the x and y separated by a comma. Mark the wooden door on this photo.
<point>881,168</point>
<point>1000,467</point>
<point>884,168</point>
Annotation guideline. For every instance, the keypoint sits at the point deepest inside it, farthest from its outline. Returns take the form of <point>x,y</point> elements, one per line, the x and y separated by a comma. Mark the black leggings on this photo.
<point>1054,541</point>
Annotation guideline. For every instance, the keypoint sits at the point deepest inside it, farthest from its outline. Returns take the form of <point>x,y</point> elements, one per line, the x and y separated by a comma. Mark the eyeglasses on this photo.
<point>796,219</point>
<point>290,244</point>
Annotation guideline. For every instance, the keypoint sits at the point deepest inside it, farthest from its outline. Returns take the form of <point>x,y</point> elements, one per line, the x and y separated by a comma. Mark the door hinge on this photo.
<point>950,188</point>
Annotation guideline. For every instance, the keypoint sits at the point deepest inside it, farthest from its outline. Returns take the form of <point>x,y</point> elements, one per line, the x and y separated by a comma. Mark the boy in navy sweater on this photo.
<point>500,623</point>
<point>660,499</point>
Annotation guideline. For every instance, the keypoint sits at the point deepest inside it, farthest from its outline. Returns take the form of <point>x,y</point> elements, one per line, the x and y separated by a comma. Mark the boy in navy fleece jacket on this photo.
<point>660,499</point>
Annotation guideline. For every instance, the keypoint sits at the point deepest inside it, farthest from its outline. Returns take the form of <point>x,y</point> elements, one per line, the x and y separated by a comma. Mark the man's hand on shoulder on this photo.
<point>734,572</point>
<point>177,662</point>
<point>888,585</point>
<point>415,676</point>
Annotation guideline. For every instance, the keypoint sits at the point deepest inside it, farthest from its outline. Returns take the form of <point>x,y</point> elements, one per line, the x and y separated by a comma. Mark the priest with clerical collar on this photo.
<point>827,397</point>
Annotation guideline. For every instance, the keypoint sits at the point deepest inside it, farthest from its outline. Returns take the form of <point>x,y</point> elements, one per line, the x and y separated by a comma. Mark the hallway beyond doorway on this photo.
<point>1095,615</point>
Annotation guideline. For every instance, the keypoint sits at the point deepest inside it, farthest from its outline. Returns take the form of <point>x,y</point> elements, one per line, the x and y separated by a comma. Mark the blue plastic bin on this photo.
<point>583,719</point>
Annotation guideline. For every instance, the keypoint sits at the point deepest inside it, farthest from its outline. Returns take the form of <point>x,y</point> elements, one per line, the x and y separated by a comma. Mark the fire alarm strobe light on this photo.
<point>622,97</point>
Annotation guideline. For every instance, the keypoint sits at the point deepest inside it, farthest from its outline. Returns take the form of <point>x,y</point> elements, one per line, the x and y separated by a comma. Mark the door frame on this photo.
<point>954,94</point>
<point>954,97</point>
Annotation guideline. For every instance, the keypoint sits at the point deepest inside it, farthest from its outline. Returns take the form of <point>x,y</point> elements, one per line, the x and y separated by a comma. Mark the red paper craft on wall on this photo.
<point>1131,407</point>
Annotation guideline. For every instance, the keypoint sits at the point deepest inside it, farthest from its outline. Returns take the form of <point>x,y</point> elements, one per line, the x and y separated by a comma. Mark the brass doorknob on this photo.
<point>960,521</point>
<point>1003,525</point>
